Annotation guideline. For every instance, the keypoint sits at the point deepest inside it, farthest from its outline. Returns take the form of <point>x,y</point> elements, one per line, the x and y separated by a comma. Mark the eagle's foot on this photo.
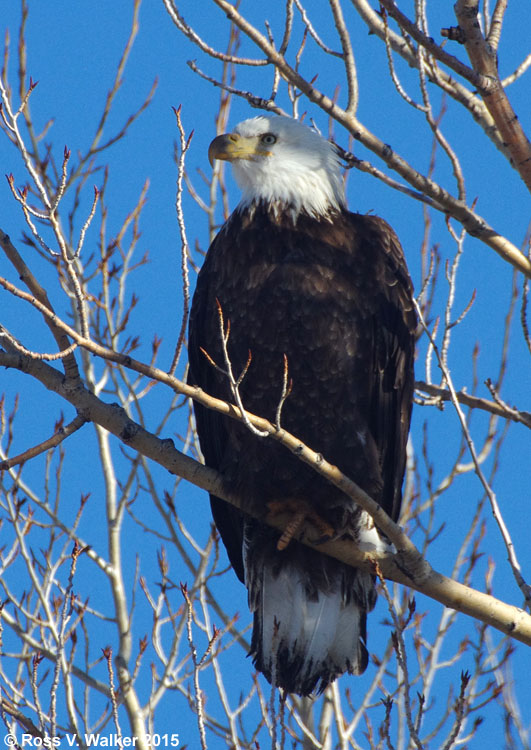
<point>301,512</point>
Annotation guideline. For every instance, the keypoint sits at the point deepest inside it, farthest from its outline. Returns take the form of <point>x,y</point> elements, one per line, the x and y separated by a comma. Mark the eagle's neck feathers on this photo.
<point>284,213</point>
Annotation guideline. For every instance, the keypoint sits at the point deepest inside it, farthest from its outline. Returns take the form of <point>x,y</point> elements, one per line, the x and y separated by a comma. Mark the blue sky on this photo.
<point>74,49</point>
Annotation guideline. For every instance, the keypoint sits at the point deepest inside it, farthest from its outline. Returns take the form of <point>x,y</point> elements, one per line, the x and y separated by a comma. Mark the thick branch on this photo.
<point>469,74</point>
<point>438,75</point>
<point>484,61</point>
<point>406,567</point>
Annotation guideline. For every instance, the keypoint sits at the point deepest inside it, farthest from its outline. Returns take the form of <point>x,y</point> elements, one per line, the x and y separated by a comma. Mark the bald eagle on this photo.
<point>304,281</point>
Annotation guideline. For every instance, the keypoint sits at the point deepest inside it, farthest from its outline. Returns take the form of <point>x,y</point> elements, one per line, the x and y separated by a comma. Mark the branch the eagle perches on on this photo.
<point>406,566</point>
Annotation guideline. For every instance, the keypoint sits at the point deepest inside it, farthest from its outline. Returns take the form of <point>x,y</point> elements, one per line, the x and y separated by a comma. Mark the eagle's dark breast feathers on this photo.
<point>334,296</point>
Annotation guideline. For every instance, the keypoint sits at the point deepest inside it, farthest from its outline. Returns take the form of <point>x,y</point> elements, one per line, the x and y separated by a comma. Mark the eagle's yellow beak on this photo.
<point>232,146</point>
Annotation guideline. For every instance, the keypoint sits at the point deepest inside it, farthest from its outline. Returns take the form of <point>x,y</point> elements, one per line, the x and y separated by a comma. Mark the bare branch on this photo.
<point>406,567</point>
<point>500,409</point>
<point>484,60</point>
<point>71,369</point>
<point>60,434</point>
<point>185,250</point>
<point>403,46</point>
<point>496,23</point>
<point>198,697</point>
<point>187,30</point>
<point>469,74</point>
<point>348,57</point>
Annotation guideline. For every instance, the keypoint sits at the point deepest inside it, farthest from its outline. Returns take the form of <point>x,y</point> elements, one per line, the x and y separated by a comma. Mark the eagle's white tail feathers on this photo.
<point>324,633</point>
<point>303,642</point>
<point>309,613</point>
<point>348,646</point>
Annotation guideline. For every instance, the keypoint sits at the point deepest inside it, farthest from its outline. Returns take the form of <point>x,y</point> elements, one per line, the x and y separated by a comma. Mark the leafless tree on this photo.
<point>114,605</point>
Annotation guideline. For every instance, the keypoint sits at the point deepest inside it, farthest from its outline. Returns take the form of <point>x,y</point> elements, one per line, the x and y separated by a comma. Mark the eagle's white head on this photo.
<point>283,163</point>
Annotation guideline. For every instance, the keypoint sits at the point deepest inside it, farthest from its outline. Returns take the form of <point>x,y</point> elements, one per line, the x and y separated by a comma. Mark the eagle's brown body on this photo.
<point>333,295</point>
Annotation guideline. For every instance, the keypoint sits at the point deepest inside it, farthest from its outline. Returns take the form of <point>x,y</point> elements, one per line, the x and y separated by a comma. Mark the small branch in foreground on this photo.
<point>107,653</point>
<point>60,434</point>
<point>498,408</point>
<point>234,383</point>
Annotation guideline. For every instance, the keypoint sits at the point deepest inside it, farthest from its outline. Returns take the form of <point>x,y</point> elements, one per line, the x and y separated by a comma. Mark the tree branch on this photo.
<point>501,410</point>
<point>70,364</point>
<point>406,566</point>
<point>59,435</point>
<point>484,61</point>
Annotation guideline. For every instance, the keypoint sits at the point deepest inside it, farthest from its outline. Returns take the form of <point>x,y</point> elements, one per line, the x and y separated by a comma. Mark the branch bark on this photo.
<point>485,62</point>
<point>406,566</point>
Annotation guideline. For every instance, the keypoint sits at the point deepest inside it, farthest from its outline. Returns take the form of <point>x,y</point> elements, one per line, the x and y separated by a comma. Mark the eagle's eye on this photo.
<point>269,139</point>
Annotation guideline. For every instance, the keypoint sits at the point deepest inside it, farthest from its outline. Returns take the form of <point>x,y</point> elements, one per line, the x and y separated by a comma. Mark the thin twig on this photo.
<point>401,656</point>
<point>348,57</point>
<point>107,653</point>
<point>198,696</point>
<point>61,433</point>
<point>184,146</point>
<point>500,409</point>
<point>228,372</point>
